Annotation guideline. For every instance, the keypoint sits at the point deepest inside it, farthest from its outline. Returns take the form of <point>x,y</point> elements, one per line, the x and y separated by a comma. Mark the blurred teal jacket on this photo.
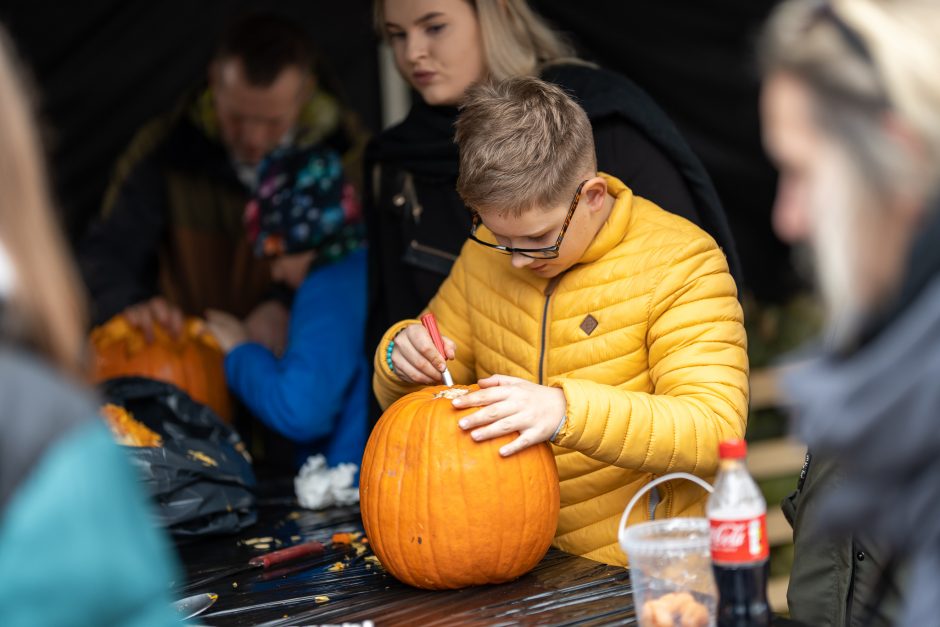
<point>77,544</point>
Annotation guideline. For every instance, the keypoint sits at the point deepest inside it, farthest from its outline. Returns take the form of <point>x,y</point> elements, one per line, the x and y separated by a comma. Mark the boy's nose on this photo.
<point>521,261</point>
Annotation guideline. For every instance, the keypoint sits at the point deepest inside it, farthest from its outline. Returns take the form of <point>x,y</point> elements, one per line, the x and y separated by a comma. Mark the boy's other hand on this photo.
<point>416,359</point>
<point>227,329</point>
<point>149,313</point>
<point>510,404</point>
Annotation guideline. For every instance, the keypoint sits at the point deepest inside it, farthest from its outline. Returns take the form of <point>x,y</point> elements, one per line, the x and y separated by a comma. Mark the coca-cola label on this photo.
<point>740,541</point>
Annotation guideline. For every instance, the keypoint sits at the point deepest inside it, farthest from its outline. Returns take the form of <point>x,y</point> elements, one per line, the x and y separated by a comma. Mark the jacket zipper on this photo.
<point>549,290</point>
<point>853,573</point>
<point>433,251</point>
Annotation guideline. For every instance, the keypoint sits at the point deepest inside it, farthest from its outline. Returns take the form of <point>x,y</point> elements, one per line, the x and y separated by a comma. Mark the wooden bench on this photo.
<point>773,459</point>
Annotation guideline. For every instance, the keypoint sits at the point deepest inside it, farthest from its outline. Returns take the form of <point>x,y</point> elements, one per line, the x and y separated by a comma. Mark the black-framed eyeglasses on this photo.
<point>548,252</point>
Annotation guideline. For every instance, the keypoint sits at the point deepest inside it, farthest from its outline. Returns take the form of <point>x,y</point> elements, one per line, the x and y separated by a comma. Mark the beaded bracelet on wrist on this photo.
<point>388,355</point>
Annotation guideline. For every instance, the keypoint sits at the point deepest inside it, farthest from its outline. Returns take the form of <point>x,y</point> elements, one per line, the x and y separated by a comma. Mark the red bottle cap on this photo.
<point>732,449</point>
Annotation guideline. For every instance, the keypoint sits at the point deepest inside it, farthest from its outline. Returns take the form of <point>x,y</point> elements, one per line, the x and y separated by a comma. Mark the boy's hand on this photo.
<point>513,405</point>
<point>415,357</point>
<point>226,328</point>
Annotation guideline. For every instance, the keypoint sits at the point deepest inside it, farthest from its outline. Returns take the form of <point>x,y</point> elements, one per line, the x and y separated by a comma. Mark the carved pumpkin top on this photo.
<point>118,329</point>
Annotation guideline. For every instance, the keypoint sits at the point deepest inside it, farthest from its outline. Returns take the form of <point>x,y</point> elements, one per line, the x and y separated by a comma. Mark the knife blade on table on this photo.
<point>194,605</point>
<point>265,560</point>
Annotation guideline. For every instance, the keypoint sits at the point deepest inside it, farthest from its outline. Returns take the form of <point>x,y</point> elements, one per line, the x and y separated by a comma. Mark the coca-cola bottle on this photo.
<point>737,512</point>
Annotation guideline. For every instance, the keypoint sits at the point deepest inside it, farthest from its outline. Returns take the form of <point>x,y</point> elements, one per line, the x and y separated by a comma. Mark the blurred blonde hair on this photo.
<point>892,67</point>
<point>863,62</point>
<point>524,144</point>
<point>516,40</point>
<point>46,308</point>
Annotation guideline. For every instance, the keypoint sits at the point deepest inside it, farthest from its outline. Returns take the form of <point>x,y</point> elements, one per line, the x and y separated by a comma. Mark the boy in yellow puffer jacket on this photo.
<point>613,331</point>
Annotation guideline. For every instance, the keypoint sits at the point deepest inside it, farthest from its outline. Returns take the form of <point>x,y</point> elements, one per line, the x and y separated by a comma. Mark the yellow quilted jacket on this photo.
<point>646,338</point>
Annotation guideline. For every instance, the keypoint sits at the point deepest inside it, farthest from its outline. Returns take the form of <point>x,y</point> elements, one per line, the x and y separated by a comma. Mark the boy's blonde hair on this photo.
<point>517,41</point>
<point>47,307</point>
<point>524,143</point>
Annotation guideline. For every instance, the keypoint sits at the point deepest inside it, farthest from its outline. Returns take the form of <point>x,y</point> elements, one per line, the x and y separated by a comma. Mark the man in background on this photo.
<point>170,240</point>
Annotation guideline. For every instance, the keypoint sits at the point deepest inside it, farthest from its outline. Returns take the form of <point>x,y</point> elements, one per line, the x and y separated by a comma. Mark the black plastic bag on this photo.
<point>201,478</point>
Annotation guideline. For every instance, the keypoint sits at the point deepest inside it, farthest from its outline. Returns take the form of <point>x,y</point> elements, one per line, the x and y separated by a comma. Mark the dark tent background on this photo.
<point>103,67</point>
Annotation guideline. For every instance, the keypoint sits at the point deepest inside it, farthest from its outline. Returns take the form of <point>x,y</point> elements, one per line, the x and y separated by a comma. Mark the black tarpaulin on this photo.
<point>200,478</point>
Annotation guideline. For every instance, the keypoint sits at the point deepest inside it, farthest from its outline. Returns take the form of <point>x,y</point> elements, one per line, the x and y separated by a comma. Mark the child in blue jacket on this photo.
<point>305,219</point>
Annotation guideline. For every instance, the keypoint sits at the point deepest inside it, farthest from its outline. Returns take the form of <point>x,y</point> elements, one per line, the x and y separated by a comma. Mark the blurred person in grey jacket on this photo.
<point>851,114</point>
<point>78,543</point>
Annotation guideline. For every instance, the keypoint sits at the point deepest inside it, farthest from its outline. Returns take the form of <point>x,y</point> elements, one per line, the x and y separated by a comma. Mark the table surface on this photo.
<point>562,590</point>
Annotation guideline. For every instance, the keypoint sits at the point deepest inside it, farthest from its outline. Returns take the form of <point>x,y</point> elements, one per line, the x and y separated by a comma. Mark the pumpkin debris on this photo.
<point>127,430</point>
<point>199,456</point>
<point>452,393</point>
<point>321,598</point>
<point>338,566</point>
<point>254,541</point>
<point>346,538</point>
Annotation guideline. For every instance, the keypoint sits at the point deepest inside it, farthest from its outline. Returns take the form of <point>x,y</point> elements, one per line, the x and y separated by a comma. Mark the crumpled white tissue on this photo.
<point>318,486</point>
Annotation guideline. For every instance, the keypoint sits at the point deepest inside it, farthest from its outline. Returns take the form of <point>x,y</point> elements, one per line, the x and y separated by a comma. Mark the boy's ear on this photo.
<point>594,192</point>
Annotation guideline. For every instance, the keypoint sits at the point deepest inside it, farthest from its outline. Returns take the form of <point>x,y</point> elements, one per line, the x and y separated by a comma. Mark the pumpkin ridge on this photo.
<point>394,495</point>
<point>397,555</point>
<point>463,483</point>
<point>499,545</point>
<point>519,474</point>
<point>417,418</point>
<point>433,532</point>
<point>384,498</point>
<point>542,527</point>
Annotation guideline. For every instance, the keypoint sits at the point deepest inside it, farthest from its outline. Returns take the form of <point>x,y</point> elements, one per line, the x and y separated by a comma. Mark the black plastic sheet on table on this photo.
<point>562,590</point>
<point>201,478</point>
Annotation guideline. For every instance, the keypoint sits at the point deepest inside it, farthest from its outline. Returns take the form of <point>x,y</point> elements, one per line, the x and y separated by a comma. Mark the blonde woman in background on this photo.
<point>77,546</point>
<point>851,113</point>
<point>417,223</point>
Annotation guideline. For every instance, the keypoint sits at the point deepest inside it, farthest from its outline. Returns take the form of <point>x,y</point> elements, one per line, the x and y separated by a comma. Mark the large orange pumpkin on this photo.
<point>443,511</point>
<point>193,362</point>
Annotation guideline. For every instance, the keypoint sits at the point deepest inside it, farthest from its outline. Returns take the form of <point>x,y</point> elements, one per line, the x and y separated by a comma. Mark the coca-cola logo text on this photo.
<point>729,536</point>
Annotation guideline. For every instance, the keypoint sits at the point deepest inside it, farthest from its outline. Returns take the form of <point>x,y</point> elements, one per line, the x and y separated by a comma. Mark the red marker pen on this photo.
<point>430,323</point>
